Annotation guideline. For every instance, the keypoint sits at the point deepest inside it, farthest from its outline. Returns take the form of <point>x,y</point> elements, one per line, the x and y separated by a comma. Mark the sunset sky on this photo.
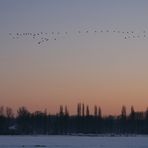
<point>94,68</point>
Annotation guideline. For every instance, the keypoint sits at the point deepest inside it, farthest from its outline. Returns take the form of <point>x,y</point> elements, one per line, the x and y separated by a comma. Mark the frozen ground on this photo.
<point>73,142</point>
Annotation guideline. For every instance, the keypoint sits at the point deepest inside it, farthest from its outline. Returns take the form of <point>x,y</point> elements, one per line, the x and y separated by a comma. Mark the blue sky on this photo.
<point>92,68</point>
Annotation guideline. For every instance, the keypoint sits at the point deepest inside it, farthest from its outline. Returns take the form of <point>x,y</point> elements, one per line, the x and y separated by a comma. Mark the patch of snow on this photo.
<point>73,142</point>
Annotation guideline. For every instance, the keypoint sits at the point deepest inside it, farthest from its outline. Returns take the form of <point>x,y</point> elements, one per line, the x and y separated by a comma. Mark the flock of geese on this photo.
<point>43,37</point>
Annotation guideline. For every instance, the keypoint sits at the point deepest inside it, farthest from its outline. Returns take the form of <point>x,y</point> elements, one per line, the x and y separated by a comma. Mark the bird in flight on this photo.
<point>43,37</point>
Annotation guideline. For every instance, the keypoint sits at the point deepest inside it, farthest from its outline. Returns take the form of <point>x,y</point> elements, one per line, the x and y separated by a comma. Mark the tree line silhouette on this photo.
<point>38,122</point>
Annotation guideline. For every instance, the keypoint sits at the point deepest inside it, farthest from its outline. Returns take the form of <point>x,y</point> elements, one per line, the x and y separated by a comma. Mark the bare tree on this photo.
<point>87,110</point>
<point>61,113</point>
<point>83,110</point>
<point>123,112</point>
<point>66,111</point>
<point>95,111</point>
<point>1,110</point>
<point>99,112</point>
<point>79,109</point>
<point>9,112</point>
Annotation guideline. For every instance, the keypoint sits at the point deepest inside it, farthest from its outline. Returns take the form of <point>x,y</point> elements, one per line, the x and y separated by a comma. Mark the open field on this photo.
<point>73,142</point>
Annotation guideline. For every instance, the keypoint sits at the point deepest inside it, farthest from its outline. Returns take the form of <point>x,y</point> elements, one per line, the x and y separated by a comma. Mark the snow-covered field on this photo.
<point>73,142</point>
